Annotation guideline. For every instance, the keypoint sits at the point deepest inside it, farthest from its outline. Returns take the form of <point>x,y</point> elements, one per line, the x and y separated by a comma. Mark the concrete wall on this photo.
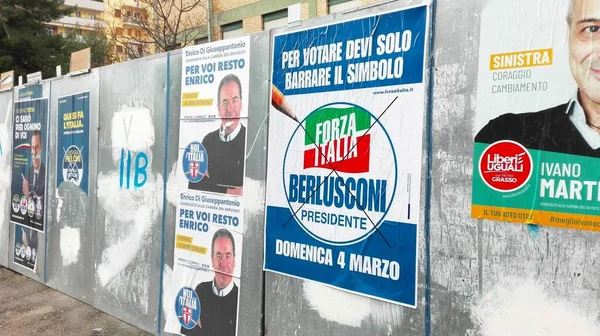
<point>475,277</point>
<point>70,229</point>
<point>128,221</point>
<point>109,247</point>
<point>489,277</point>
<point>104,247</point>
<point>6,100</point>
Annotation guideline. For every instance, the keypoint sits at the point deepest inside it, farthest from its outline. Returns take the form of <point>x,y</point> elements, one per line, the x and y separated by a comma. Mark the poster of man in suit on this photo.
<point>209,226</point>
<point>28,186</point>
<point>537,125</point>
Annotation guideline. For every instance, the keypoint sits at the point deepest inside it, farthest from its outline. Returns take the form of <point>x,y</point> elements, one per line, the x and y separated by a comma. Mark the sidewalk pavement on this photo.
<point>30,308</point>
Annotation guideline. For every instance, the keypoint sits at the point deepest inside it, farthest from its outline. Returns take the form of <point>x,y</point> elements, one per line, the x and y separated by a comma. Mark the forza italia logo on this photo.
<point>336,139</point>
<point>338,194</point>
<point>505,166</point>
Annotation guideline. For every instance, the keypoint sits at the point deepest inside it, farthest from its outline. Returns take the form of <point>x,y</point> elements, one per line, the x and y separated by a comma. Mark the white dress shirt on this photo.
<point>577,117</point>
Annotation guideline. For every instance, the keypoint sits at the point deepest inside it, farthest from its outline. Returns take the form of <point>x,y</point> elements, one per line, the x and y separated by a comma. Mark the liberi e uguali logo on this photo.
<point>505,166</point>
<point>339,173</point>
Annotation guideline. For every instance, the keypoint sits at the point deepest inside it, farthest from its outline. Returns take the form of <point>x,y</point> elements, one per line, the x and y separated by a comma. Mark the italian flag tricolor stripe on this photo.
<point>340,136</point>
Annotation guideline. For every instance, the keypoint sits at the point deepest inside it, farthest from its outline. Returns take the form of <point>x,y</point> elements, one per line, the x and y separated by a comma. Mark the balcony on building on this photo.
<point>131,4</point>
<point>131,21</point>
<point>90,5</point>
<point>78,22</point>
<point>134,17</point>
<point>135,50</point>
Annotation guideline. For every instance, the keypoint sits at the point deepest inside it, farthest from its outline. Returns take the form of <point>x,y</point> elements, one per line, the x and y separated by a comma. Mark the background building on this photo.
<point>87,17</point>
<point>142,27</point>
<point>233,18</point>
<point>127,25</point>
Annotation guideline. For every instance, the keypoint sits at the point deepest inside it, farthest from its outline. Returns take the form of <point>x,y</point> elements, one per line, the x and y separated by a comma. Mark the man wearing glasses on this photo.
<point>225,147</point>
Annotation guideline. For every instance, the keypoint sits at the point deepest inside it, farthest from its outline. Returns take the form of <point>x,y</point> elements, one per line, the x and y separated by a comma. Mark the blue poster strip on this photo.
<point>373,268</point>
<point>30,92</point>
<point>371,52</point>
<point>28,184</point>
<point>73,140</point>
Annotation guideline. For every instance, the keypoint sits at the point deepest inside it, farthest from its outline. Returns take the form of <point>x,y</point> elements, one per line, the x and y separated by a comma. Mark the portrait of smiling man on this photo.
<point>226,146</point>
<point>574,126</point>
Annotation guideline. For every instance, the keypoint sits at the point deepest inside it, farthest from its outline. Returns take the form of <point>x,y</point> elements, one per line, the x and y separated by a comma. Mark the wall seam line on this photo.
<point>46,226</point>
<point>429,166</point>
<point>165,176</point>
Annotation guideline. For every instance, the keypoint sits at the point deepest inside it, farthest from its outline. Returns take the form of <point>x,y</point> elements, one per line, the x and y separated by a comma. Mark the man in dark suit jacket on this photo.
<point>226,147</point>
<point>34,184</point>
<point>219,297</point>
<point>549,130</point>
<point>572,127</point>
<point>36,181</point>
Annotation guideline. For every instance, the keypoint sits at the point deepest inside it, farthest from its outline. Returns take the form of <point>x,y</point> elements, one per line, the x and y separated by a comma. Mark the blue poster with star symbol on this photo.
<point>73,140</point>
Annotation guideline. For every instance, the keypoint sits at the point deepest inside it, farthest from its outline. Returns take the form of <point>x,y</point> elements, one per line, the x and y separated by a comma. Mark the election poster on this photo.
<point>536,138</point>
<point>344,149</point>
<point>30,92</point>
<point>28,183</point>
<point>73,140</point>
<point>210,215</point>
<point>26,247</point>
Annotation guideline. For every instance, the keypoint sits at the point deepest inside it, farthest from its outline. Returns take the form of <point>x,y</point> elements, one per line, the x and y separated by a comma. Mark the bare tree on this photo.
<point>157,25</point>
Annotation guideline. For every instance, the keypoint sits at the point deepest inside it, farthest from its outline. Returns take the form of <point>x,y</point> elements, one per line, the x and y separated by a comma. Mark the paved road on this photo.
<point>30,308</point>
